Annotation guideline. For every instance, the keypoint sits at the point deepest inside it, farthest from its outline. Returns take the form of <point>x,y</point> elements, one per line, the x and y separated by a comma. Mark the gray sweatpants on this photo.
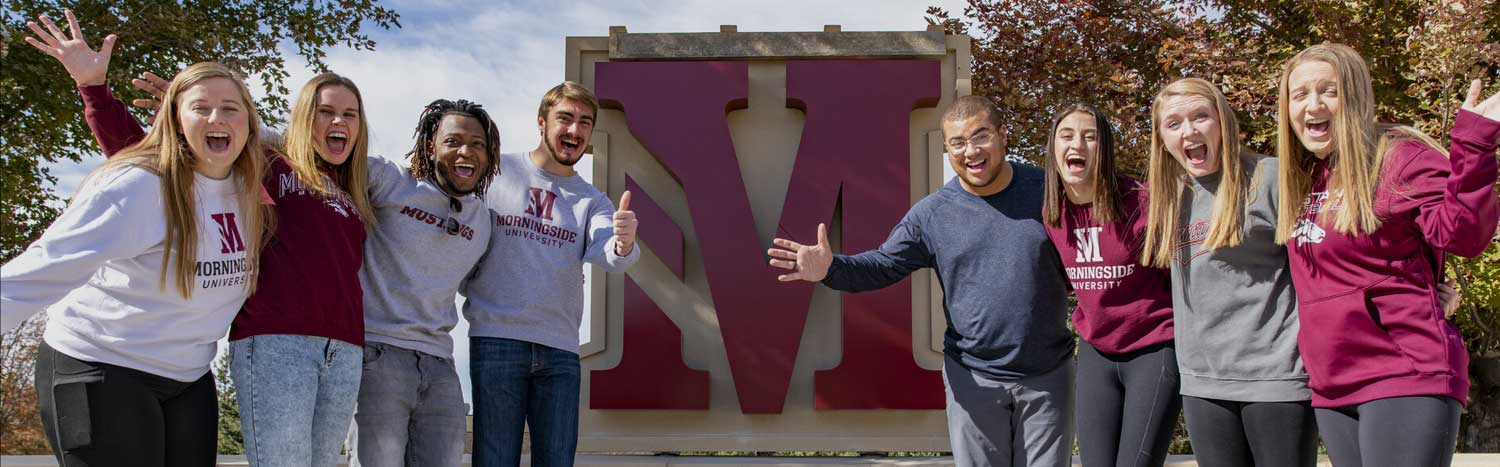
<point>1025,422</point>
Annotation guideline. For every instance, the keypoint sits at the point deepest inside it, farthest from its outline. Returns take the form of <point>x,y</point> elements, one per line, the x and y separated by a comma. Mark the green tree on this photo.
<point>39,107</point>
<point>231,440</point>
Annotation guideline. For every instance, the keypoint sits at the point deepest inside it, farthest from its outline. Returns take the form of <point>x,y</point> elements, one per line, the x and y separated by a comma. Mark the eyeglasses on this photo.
<point>982,138</point>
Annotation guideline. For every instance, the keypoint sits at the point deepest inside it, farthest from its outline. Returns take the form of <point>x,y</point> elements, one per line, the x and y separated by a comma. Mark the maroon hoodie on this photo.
<point>309,277</point>
<point>1371,324</point>
<point>1122,306</point>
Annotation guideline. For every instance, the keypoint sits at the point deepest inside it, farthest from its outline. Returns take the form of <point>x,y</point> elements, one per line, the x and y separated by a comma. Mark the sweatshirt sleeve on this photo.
<point>383,177</point>
<point>601,238</point>
<point>113,126</point>
<point>109,222</point>
<point>1454,197</point>
<point>903,252</point>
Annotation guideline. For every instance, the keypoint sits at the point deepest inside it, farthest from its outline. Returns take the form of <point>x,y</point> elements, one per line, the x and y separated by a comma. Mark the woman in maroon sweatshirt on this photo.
<point>296,345</point>
<point>1127,368</point>
<point>1367,212</point>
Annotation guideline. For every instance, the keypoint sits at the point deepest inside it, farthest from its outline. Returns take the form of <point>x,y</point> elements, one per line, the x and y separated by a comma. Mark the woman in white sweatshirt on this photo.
<point>141,275</point>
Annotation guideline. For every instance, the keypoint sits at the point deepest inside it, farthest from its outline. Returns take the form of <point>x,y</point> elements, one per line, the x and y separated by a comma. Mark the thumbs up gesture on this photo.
<point>625,225</point>
<point>807,262</point>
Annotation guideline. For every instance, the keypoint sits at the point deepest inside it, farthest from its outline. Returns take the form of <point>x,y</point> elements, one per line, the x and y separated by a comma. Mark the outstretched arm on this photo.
<point>1457,209</point>
<point>113,126</point>
<point>902,253</point>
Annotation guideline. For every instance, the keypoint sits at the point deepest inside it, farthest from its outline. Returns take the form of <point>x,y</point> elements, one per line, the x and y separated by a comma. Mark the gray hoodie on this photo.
<point>415,260</point>
<point>1234,308</point>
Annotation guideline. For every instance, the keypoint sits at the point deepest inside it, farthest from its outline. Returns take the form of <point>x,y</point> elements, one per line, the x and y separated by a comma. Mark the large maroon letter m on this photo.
<point>854,150</point>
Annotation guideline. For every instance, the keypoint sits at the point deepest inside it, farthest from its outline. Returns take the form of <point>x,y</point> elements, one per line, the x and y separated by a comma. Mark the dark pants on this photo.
<point>1399,431</point>
<point>1233,434</point>
<point>97,414</point>
<point>517,384</point>
<point>1127,406</point>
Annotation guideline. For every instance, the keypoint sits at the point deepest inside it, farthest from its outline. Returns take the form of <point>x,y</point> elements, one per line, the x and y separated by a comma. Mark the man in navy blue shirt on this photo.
<point>1008,364</point>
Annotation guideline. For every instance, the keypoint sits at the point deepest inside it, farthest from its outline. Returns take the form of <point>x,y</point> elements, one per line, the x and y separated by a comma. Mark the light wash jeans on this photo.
<point>411,410</point>
<point>296,396</point>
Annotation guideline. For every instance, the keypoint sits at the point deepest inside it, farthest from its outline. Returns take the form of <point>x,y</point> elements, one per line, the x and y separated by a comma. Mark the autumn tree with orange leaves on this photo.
<point>1033,56</point>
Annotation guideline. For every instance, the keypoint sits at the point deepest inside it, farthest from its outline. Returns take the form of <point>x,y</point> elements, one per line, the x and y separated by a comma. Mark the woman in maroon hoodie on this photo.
<point>1367,212</point>
<point>1127,368</point>
<point>297,343</point>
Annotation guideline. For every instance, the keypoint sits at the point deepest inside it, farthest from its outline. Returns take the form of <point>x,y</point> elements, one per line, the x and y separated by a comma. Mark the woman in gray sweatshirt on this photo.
<point>1212,220</point>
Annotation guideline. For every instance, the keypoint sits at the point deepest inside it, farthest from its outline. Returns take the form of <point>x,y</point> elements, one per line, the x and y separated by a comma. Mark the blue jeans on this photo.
<point>411,410</point>
<point>520,383</point>
<point>296,396</point>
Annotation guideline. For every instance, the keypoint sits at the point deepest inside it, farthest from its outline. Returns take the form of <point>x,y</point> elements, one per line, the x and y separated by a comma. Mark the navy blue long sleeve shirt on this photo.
<point>1003,284</point>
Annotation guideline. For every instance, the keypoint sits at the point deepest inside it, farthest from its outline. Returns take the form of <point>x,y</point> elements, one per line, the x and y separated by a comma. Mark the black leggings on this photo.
<point>1126,406</point>
<point>1398,431</point>
<point>97,414</point>
<point>1234,434</point>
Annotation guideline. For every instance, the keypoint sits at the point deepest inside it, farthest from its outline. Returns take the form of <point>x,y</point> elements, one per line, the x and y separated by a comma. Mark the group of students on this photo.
<point>1271,300</point>
<point>334,274</point>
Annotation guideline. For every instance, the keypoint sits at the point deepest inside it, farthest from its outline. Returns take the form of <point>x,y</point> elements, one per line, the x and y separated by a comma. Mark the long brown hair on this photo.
<point>1167,178</point>
<point>301,148</point>
<point>166,154</point>
<point>1359,146</point>
<point>1106,206</point>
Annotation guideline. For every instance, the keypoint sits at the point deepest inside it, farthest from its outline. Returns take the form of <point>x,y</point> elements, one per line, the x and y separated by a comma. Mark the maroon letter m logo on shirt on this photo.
<point>229,233</point>
<point>540,203</point>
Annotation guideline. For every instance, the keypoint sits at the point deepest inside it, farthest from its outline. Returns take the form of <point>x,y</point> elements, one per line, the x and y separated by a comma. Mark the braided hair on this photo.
<point>424,163</point>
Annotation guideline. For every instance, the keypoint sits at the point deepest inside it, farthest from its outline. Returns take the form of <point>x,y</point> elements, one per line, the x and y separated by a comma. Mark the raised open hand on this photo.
<point>1488,108</point>
<point>156,87</point>
<point>807,262</point>
<point>87,66</point>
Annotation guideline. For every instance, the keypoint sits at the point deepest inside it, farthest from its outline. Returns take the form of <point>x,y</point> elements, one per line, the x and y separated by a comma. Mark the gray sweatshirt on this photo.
<point>1234,309</point>
<point>1004,291</point>
<point>530,285</point>
<point>415,259</point>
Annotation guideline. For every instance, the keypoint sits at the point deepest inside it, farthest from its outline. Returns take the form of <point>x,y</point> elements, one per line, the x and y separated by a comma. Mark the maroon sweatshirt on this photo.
<point>309,277</point>
<point>1371,324</point>
<point>1122,306</point>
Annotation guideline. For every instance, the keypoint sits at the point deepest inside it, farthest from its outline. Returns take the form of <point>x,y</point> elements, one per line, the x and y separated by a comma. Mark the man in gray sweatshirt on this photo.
<point>431,228</point>
<point>525,302</point>
<point>1008,364</point>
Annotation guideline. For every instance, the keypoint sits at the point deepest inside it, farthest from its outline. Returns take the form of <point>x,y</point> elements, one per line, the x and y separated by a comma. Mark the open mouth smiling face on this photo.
<point>1313,100</point>
<point>1189,128</point>
<point>1075,145</point>
<point>215,122</point>
<point>336,123</point>
<point>461,151</point>
<point>568,127</point>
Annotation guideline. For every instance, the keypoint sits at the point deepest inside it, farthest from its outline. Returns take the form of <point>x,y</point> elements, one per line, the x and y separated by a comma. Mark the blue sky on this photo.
<point>504,55</point>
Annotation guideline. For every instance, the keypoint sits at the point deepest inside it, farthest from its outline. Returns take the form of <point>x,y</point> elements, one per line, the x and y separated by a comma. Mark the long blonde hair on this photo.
<point>165,153</point>
<point>1166,178</point>
<point>1359,146</point>
<point>301,148</point>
